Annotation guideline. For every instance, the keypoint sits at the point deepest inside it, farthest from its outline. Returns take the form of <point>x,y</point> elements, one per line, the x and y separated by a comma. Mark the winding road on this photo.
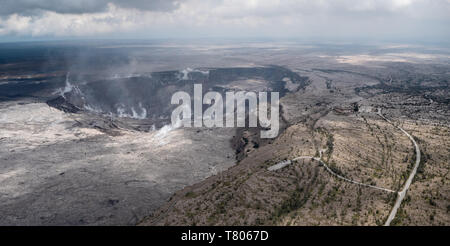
<point>286,163</point>
<point>401,194</point>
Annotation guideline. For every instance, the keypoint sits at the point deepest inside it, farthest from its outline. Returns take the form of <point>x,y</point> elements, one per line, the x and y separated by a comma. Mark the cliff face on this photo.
<point>149,97</point>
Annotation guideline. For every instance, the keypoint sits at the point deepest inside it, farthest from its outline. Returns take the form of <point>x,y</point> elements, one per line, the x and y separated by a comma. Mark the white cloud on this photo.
<point>237,18</point>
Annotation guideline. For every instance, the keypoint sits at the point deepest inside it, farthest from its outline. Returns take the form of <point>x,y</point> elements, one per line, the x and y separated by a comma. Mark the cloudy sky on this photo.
<point>427,20</point>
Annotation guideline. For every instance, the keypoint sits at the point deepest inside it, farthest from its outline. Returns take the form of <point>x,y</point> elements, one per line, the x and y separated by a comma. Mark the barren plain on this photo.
<point>85,137</point>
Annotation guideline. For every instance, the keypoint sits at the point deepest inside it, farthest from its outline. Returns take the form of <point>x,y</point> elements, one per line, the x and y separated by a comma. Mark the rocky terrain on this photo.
<point>85,136</point>
<point>56,171</point>
<point>336,113</point>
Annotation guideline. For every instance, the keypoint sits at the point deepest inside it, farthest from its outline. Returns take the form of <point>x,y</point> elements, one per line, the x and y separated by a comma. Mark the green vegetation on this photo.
<point>190,194</point>
<point>295,201</point>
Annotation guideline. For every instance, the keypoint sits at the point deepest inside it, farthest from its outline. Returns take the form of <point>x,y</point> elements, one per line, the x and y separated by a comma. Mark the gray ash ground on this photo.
<point>68,158</point>
<point>102,152</point>
<point>56,170</point>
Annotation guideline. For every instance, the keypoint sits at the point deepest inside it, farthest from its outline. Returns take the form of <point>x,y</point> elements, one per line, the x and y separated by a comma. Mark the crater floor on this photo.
<point>54,172</point>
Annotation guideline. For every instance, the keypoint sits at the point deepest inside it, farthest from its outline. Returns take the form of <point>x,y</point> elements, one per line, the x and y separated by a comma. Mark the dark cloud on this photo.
<point>32,7</point>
